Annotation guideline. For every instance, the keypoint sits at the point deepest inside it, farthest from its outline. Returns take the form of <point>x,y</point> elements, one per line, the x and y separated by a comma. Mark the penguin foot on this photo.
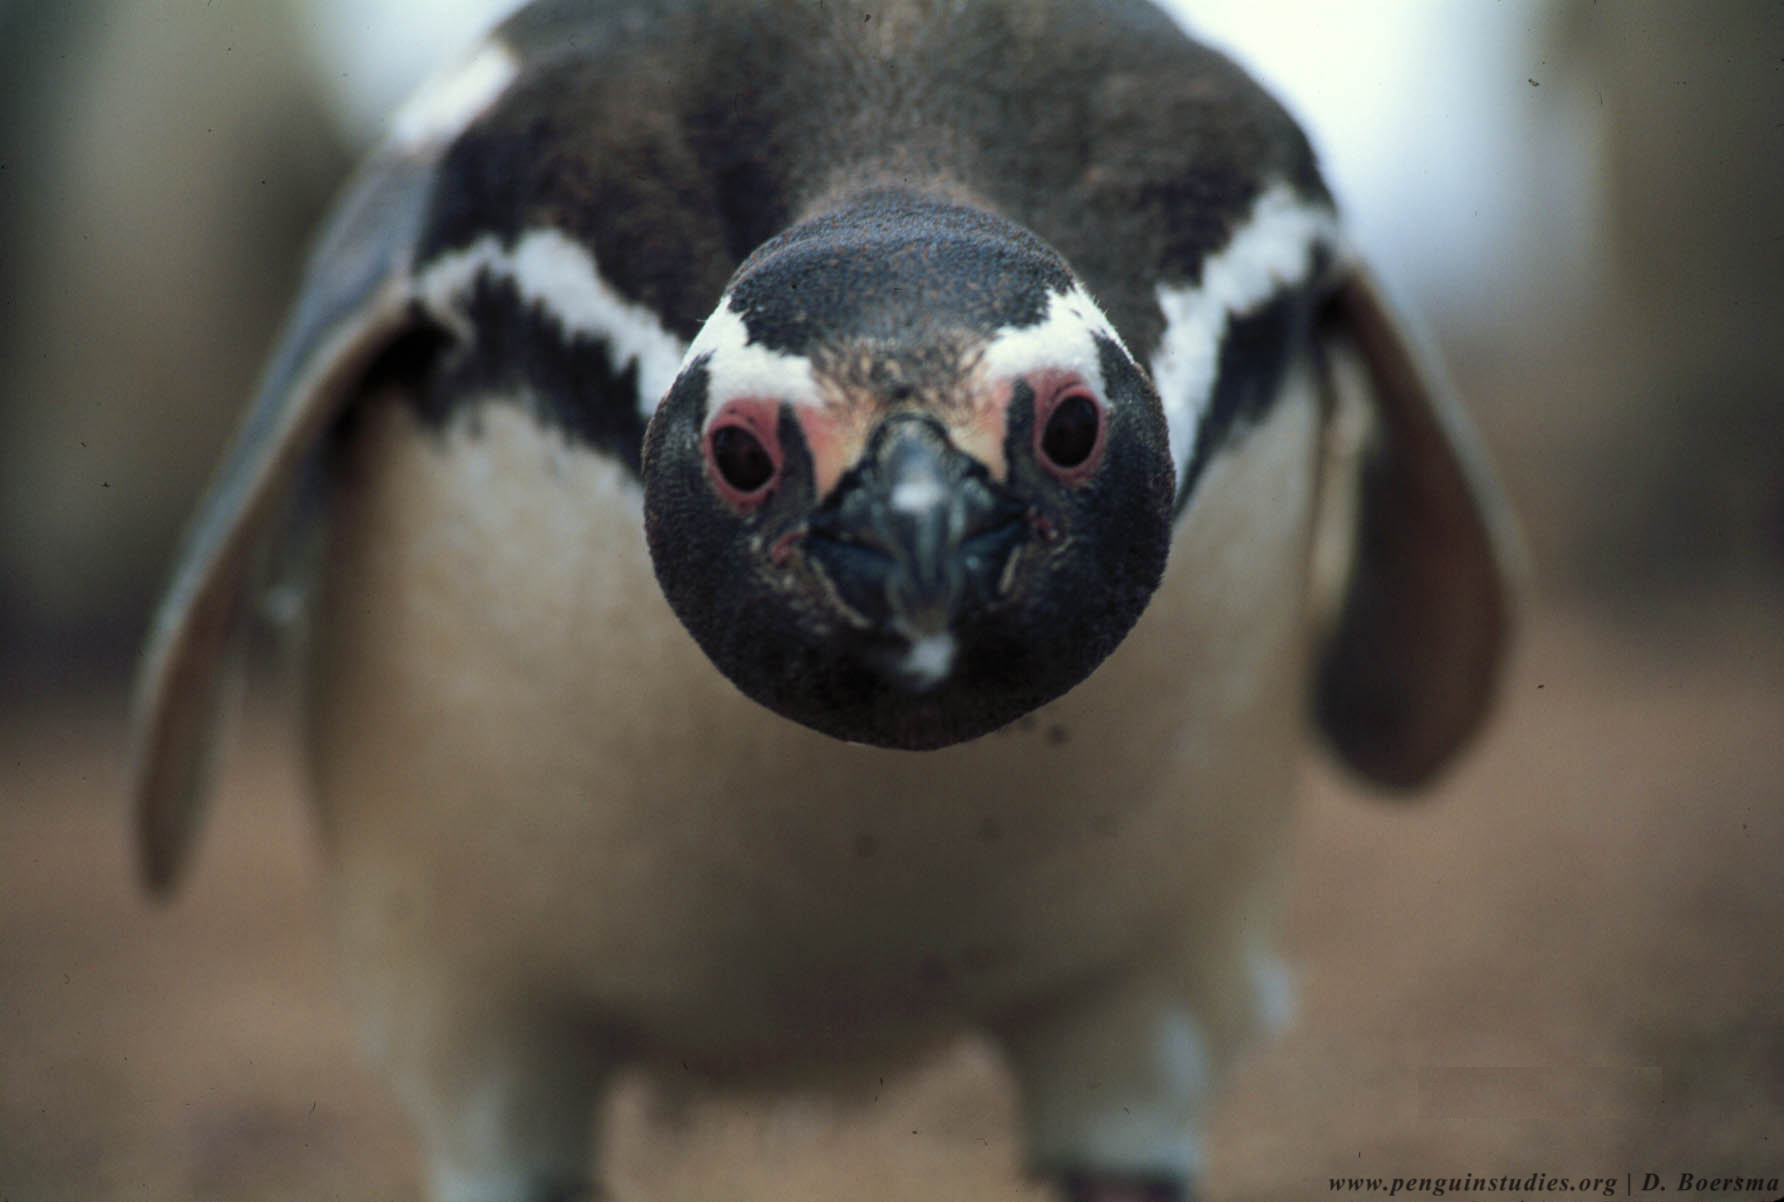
<point>1101,1187</point>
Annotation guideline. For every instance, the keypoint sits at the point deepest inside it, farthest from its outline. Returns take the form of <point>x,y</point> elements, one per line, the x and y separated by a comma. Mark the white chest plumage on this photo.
<point>522,729</point>
<point>538,827</point>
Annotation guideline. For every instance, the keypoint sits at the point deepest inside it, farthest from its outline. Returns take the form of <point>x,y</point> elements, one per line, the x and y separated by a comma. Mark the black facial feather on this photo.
<point>1254,354</point>
<point>1112,519</point>
<point>891,259</point>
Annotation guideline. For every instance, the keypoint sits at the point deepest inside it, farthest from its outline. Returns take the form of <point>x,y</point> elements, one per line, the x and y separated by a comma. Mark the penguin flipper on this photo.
<point>1426,615</point>
<point>356,299</point>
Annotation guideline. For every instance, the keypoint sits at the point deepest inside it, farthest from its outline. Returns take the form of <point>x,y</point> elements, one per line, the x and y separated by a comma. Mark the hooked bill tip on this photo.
<point>926,662</point>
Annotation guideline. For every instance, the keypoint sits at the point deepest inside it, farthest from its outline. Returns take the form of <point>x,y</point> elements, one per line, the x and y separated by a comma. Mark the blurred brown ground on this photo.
<point>1567,962</point>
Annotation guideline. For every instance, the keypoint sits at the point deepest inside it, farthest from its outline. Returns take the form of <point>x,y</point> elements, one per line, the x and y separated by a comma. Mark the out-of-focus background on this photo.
<point>1569,962</point>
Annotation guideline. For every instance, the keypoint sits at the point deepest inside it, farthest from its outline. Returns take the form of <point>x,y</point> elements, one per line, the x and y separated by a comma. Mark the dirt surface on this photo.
<point>1571,963</point>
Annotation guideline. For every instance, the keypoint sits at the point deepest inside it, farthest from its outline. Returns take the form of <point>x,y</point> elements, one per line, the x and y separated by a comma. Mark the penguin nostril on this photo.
<point>860,574</point>
<point>986,508</point>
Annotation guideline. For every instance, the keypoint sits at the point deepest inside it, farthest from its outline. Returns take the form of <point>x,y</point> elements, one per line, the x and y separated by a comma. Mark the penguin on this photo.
<point>827,526</point>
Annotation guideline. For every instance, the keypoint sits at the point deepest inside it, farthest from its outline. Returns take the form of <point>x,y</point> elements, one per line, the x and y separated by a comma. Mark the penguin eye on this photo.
<point>741,459</point>
<point>743,451</point>
<point>1071,435</point>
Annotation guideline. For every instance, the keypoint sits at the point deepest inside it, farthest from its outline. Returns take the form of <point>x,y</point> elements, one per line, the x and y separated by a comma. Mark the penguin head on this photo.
<point>908,484</point>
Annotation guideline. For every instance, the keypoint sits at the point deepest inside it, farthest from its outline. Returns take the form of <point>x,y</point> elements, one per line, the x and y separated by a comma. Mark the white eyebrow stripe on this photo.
<point>1272,251</point>
<point>741,368</point>
<point>1066,337</point>
<point>450,100</point>
<point>559,275</point>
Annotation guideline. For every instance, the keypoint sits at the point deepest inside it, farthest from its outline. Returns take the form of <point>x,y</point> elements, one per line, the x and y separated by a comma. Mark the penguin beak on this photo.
<point>914,538</point>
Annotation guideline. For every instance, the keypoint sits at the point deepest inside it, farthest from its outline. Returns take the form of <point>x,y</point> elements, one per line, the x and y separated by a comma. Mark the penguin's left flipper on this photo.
<point>1425,612</point>
<point>356,299</point>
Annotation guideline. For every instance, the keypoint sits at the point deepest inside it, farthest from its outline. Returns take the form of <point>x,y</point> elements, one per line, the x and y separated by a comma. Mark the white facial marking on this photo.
<point>741,368</point>
<point>929,659</point>
<point>448,102</point>
<point>1064,339</point>
<point>559,275</point>
<point>1271,251</point>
